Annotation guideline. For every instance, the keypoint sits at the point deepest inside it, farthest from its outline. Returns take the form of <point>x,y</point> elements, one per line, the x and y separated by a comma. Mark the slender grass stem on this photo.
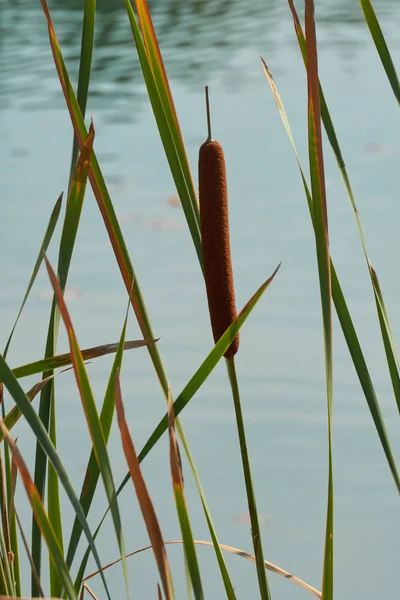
<point>251,498</point>
<point>3,579</point>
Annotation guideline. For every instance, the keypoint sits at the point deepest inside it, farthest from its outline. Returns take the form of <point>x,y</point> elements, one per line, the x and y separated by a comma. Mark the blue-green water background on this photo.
<point>280,365</point>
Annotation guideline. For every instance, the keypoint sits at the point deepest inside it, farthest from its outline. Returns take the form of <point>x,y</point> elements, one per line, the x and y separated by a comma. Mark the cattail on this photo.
<point>214,224</point>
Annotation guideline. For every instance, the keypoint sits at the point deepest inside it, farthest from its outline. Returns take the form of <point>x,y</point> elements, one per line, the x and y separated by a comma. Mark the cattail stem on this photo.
<point>251,498</point>
<point>209,139</point>
<point>214,225</point>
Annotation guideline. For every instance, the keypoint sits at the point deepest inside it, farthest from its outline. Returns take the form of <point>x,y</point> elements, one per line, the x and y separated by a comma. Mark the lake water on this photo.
<point>280,364</point>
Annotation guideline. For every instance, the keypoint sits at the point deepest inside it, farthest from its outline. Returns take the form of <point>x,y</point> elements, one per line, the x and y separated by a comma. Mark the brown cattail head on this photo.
<point>214,224</point>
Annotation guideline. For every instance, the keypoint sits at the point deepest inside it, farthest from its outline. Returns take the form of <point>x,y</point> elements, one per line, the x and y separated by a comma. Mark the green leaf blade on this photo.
<point>92,418</point>
<point>381,46</point>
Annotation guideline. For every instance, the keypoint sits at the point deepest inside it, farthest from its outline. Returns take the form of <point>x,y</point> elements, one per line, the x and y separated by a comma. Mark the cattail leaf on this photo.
<point>143,496</point>
<point>381,46</point>
<point>171,139</point>
<point>28,552</point>
<point>41,517</point>
<point>338,298</point>
<point>74,207</point>
<point>324,268</point>
<point>14,414</point>
<point>85,66</point>
<point>62,360</point>
<point>387,335</point>
<point>5,533</point>
<point>229,589</point>
<point>181,508</point>
<point>92,418</point>
<point>386,332</point>
<point>186,395</point>
<point>105,205</point>
<point>9,521</point>
<point>11,474</point>
<point>17,393</point>
<point>45,244</point>
<point>206,367</point>
<point>92,473</point>
<point>47,407</point>
<point>160,76</point>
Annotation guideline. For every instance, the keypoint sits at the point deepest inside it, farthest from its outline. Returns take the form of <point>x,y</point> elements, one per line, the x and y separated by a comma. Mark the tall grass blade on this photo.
<point>73,211</point>
<point>43,248</point>
<point>29,555</point>
<point>323,257</point>
<point>92,471</point>
<point>72,216</point>
<point>92,418</point>
<point>181,508</point>
<point>5,529</point>
<point>169,138</point>
<point>54,507</point>
<point>105,205</point>
<point>143,496</point>
<point>229,589</point>
<point>388,340</point>
<point>63,360</point>
<point>387,335</point>
<point>8,511</point>
<point>190,389</point>
<point>47,400</point>
<point>342,310</point>
<point>76,531</point>
<point>12,523</point>
<point>206,367</point>
<point>381,46</point>
<point>85,66</point>
<point>161,79</point>
<point>5,534</point>
<point>43,521</point>
<point>17,393</point>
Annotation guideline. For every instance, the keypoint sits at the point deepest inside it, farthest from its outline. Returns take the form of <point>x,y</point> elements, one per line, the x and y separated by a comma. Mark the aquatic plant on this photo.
<point>209,228</point>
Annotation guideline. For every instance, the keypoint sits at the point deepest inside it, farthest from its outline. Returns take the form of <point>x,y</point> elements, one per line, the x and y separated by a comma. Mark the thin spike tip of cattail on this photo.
<point>214,224</point>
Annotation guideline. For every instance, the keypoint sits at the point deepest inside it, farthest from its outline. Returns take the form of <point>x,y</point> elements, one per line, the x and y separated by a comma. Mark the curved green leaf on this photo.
<point>62,360</point>
<point>92,471</point>
<point>381,46</point>
<point>171,139</point>
<point>188,392</point>
<point>181,507</point>
<point>92,418</point>
<point>17,393</point>
<point>85,66</point>
<point>143,496</point>
<point>45,244</point>
<point>41,517</point>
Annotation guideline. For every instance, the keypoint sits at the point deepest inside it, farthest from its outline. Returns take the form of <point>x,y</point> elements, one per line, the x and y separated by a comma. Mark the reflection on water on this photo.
<point>192,34</point>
